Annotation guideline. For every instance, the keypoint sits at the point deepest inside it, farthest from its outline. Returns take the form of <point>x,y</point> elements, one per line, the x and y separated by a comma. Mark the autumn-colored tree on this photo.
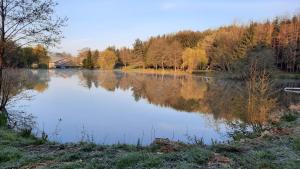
<point>188,39</point>
<point>194,59</point>
<point>139,53</point>
<point>107,60</point>
<point>42,56</point>
<point>95,57</point>
<point>173,55</point>
<point>28,22</point>
<point>125,56</point>
<point>156,54</point>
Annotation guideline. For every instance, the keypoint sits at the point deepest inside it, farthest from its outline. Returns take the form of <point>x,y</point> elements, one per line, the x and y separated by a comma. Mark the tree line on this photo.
<point>274,43</point>
<point>271,44</point>
<point>27,57</point>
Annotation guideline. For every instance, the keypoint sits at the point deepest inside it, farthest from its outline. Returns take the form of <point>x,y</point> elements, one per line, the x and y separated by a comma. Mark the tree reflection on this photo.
<point>225,99</point>
<point>16,85</point>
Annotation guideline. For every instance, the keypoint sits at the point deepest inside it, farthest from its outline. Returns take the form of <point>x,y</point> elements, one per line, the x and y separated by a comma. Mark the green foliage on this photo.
<point>3,119</point>
<point>289,117</point>
<point>43,66</point>
<point>25,57</point>
<point>88,62</point>
<point>259,60</point>
<point>246,43</point>
<point>26,132</point>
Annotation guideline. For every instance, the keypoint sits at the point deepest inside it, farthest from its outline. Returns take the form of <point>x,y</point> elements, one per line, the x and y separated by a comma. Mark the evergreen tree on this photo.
<point>88,62</point>
<point>246,43</point>
<point>139,53</point>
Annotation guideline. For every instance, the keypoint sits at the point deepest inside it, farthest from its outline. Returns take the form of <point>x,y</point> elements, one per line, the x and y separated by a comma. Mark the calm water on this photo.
<point>112,107</point>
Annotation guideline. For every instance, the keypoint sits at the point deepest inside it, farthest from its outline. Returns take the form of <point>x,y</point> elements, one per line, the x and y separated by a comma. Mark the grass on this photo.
<point>285,75</point>
<point>210,73</point>
<point>279,150</point>
<point>8,153</point>
<point>297,143</point>
<point>168,71</point>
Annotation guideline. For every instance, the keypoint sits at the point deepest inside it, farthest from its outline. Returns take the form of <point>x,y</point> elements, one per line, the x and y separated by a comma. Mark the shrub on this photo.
<point>289,117</point>
<point>26,132</point>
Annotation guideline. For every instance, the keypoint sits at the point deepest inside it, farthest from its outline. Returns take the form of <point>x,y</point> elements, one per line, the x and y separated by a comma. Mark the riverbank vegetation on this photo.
<point>223,49</point>
<point>276,146</point>
<point>273,44</point>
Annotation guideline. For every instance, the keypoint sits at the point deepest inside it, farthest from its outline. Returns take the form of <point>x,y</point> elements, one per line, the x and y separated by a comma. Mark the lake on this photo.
<point>109,107</point>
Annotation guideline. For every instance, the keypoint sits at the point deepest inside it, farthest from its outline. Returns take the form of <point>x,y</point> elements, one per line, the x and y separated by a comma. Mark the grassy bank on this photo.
<point>168,71</point>
<point>284,75</point>
<point>278,147</point>
<point>209,73</point>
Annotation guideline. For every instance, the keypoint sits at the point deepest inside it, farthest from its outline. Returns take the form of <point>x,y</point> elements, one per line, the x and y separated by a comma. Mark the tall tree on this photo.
<point>25,22</point>
<point>125,56</point>
<point>194,59</point>
<point>95,57</point>
<point>107,60</point>
<point>156,53</point>
<point>173,55</point>
<point>139,53</point>
<point>42,55</point>
<point>88,61</point>
<point>246,43</point>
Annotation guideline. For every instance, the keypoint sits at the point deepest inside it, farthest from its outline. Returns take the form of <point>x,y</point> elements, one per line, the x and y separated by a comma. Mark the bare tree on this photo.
<point>26,22</point>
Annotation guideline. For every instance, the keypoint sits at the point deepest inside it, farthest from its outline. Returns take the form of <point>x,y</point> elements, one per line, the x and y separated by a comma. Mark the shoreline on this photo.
<point>278,146</point>
<point>207,73</point>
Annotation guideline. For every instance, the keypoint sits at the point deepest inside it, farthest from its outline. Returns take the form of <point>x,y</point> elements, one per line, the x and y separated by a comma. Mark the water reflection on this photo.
<point>225,99</point>
<point>217,102</point>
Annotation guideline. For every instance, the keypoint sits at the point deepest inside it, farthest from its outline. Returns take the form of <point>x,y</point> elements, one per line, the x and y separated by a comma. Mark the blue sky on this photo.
<point>101,23</point>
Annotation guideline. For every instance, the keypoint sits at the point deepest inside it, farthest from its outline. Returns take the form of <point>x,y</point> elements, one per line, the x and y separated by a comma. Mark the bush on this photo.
<point>26,132</point>
<point>289,117</point>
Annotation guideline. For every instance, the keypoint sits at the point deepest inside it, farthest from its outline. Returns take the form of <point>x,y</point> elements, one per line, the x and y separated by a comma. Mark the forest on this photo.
<point>274,44</point>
